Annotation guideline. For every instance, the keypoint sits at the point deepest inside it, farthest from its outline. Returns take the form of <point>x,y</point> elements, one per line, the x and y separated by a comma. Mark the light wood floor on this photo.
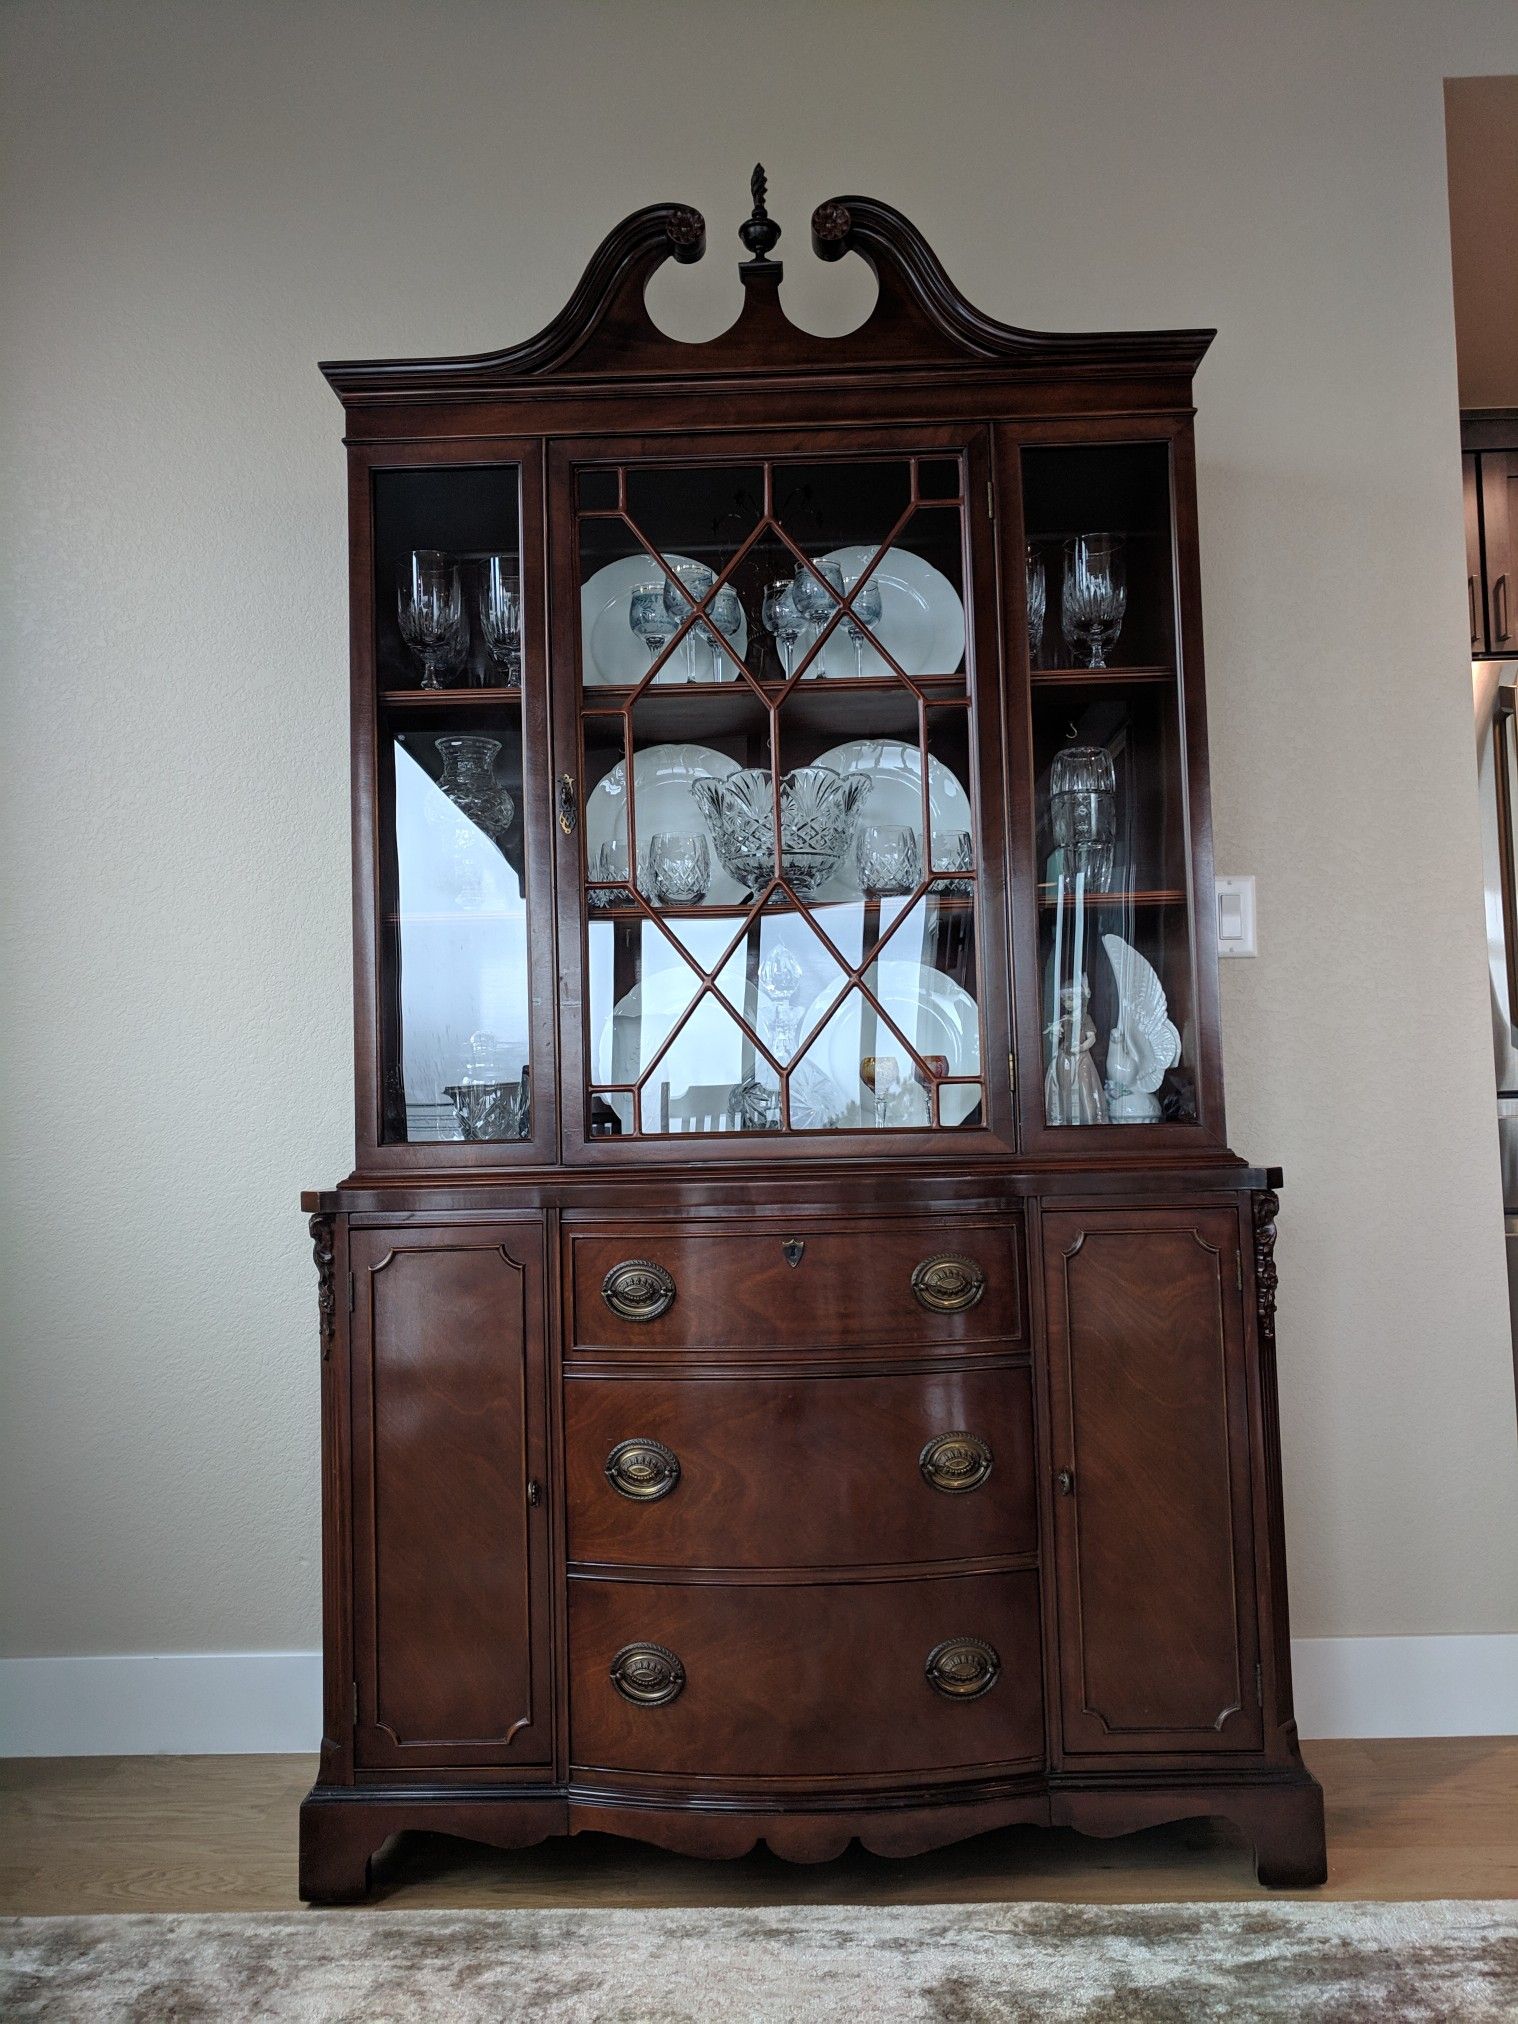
<point>1406,1819</point>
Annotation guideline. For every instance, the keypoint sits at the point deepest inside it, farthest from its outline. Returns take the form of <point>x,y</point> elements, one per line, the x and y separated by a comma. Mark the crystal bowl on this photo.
<point>817,812</point>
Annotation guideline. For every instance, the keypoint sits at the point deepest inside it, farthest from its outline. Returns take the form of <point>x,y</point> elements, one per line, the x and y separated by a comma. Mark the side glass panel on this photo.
<point>1112,851</point>
<point>780,846</point>
<point>454,1025</point>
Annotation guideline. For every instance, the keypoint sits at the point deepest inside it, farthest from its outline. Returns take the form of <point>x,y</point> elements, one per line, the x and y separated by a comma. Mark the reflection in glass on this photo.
<point>461,948</point>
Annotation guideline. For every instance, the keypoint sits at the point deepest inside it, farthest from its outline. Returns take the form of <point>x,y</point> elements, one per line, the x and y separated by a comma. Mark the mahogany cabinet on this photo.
<point>797,1348</point>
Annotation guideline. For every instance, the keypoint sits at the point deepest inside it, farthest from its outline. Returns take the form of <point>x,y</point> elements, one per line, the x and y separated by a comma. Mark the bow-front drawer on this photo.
<point>791,1471</point>
<point>863,1680</point>
<point>869,1284</point>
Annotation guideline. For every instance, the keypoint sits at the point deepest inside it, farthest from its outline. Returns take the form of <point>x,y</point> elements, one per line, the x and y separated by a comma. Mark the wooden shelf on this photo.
<point>439,699</point>
<point>1167,896</point>
<point>941,687</point>
<point>1102,678</point>
<point>940,903</point>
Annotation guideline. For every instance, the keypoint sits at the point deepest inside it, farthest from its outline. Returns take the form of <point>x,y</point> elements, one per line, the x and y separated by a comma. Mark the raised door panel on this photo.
<point>451,1568</point>
<point>1149,1441</point>
<point>1499,522</point>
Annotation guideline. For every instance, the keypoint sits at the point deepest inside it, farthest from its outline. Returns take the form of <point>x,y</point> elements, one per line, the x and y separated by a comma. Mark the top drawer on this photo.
<point>741,1286</point>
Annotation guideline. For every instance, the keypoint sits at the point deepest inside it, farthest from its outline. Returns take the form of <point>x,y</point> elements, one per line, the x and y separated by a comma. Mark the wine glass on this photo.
<point>501,617</point>
<point>1038,601</point>
<point>818,600</point>
<point>648,618</point>
<point>782,620</point>
<point>726,613</point>
<point>697,581</point>
<point>430,607</point>
<point>864,611</point>
<point>1095,594</point>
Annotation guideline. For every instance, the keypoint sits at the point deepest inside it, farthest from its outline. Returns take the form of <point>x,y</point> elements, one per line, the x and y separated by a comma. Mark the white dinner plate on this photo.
<point>921,623</point>
<point>612,655</point>
<point>711,1040</point>
<point>661,783</point>
<point>894,770</point>
<point>934,1013</point>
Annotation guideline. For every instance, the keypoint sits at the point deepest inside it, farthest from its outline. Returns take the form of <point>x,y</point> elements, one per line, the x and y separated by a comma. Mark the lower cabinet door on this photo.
<point>840,1680</point>
<point>1149,1441</point>
<point>450,1548</point>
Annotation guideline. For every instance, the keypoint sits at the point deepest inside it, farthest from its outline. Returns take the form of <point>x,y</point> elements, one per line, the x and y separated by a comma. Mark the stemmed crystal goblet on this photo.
<point>782,620</point>
<point>780,978</point>
<point>818,591</point>
<point>864,611</point>
<point>648,618</point>
<point>501,617</point>
<point>1038,601</point>
<point>430,607</point>
<point>697,580</point>
<point>725,613</point>
<point>1095,595</point>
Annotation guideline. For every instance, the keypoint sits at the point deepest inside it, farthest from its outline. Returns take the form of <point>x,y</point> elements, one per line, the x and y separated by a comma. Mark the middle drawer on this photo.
<point>789,1471</point>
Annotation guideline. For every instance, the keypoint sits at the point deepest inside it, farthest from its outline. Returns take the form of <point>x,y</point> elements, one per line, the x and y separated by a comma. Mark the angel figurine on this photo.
<point>1143,1043</point>
<point>1072,1087</point>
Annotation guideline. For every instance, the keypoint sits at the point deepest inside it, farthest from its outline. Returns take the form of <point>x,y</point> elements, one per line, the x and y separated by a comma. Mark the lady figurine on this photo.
<point>1072,1087</point>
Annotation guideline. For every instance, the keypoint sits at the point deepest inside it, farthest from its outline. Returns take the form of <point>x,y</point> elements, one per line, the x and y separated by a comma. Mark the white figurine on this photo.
<point>1143,1043</point>
<point>1072,1087</point>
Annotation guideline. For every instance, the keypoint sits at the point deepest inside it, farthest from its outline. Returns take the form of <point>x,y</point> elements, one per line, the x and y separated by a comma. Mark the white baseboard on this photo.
<point>215,1703</point>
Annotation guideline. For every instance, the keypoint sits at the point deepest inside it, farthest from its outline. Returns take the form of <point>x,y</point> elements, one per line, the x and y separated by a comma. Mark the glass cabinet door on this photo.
<point>1116,969</point>
<point>781,834</point>
<point>451,624</point>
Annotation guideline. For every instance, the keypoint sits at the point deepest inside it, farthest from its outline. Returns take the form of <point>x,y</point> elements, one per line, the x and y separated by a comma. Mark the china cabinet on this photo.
<point>797,1350</point>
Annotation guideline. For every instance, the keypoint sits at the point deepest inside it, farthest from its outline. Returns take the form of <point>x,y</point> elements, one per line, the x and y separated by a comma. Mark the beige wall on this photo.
<point>1481,138</point>
<point>202,200</point>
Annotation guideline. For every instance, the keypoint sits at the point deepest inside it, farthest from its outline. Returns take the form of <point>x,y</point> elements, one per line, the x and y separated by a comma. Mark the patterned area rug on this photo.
<point>952,1964</point>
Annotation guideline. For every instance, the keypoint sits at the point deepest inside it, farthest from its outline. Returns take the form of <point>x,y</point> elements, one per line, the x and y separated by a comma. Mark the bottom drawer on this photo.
<point>790,1681</point>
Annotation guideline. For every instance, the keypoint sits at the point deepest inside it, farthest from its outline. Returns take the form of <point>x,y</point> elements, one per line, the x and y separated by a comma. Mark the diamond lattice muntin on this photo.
<point>790,716</point>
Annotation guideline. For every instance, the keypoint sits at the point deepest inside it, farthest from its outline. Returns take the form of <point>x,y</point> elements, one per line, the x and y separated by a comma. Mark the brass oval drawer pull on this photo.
<point>947,1283</point>
<point>963,1668</point>
<point>647,1675</point>
<point>955,1463</point>
<point>643,1470</point>
<point>638,1290</point>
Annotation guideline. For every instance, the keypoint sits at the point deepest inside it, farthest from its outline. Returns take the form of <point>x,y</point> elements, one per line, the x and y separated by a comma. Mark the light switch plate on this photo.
<point>1236,917</point>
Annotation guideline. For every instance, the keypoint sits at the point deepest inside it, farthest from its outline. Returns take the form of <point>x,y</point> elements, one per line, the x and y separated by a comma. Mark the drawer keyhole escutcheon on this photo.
<point>947,1283</point>
<point>955,1463</point>
<point>793,1250</point>
<point>647,1675</point>
<point>963,1668</point>
<point>638,1290</point>
<point>642,1470</point>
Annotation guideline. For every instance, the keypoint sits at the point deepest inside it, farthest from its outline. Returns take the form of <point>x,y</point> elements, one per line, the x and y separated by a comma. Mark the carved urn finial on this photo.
<point>759,231</point>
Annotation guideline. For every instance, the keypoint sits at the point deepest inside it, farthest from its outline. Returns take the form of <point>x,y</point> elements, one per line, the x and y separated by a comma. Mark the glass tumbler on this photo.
<point>679,868</point>
<point>889,857</point>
